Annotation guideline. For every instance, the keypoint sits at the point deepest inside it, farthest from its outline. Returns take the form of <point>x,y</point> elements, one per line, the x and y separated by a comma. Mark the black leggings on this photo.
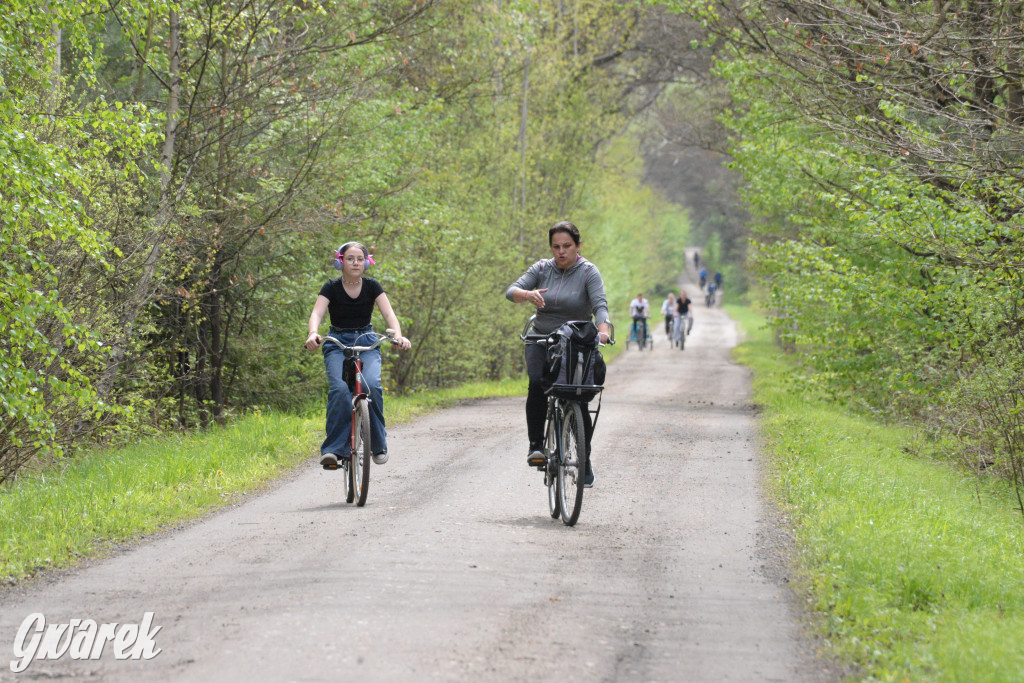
<point>537,400</point>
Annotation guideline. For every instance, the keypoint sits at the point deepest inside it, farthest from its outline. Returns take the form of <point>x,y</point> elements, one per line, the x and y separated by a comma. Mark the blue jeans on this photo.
<point>339,396</point>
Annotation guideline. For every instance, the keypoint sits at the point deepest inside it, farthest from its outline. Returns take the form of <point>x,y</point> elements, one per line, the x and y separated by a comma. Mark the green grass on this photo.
<point>55,517</point>
<point>917,568</point>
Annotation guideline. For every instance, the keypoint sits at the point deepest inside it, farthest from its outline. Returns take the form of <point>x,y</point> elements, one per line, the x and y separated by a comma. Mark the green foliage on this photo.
<point>60,163</point>
<point>172,214</point>
<point>888,230</point>
<point>898,293</point>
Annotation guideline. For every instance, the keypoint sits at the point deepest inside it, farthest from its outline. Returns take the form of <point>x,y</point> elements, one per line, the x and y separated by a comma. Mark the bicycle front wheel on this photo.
<point>360,469</point>
<point>551,470</point>
<point>572,466</point>
<point>350,492</point>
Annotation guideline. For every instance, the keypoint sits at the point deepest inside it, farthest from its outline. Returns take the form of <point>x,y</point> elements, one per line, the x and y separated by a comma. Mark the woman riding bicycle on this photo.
<point>668,309</point>
<point>563,288</point>
<point>350,300</point>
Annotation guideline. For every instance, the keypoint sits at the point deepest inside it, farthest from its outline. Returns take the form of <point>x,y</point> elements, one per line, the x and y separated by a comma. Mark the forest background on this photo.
<point>174,177</point>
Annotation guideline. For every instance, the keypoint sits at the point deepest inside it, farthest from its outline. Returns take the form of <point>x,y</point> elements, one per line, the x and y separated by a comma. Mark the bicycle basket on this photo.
<point>573,345</point>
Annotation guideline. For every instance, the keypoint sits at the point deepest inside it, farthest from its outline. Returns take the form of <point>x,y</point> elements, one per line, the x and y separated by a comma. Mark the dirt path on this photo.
<point>454,570</point>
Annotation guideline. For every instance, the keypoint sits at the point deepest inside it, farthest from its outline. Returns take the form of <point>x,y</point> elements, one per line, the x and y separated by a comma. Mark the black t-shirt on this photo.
<point>349,313</point>
<point>683,305</point>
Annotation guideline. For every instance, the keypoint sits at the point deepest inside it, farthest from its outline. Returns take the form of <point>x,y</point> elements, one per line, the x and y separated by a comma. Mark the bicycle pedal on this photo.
<point>332,467</point>
<point>537,462</point>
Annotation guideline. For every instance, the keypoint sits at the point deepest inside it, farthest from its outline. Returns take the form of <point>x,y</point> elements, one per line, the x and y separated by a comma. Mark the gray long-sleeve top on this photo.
<point>576,293</point>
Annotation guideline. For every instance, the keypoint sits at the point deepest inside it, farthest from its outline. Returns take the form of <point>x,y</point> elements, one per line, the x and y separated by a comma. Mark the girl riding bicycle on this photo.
<point>563,288</point>
<point>350,300</point>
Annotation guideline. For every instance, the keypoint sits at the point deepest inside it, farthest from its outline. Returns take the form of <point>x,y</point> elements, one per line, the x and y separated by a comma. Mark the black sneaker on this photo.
<point>589,481</point>
<point>380,458</point>
<point>536,457</point>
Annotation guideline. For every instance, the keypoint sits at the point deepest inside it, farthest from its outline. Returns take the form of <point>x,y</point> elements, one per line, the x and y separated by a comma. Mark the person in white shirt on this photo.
<point>668,308</point>
<point>640,311</point>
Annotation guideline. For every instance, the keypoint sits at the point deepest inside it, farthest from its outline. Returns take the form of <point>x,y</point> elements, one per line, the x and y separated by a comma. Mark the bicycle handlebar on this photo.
<point>389,335</point>
<point>526,336</point>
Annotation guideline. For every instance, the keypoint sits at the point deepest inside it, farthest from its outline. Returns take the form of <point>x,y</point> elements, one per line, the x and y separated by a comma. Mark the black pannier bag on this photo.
<point>571,345</point>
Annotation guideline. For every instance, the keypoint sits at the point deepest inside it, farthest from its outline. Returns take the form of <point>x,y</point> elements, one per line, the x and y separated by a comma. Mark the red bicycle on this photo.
<point>357,464</point>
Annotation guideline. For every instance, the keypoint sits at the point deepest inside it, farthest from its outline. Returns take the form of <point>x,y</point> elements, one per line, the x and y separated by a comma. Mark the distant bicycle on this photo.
<point>357,464</point>
<point>640,334</point>
<point>679,332</point>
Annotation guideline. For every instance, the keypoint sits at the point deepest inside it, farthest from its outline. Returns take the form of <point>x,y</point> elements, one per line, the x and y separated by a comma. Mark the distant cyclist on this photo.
<point>668,307</point>
<point>711,294</point>
<point>683,311</point>
<point>703,277</point>
<point>718,281</point>
<point>640,311</point>
<point>696,259</point>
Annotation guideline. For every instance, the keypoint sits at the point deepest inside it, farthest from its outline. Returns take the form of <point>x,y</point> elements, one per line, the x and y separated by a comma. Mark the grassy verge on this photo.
<point>53,518</point>
<point>918,568</point>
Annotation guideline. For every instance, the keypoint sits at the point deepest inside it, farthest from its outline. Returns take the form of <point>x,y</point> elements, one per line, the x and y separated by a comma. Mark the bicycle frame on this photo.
<point>355,352</point>
<point>358,395</point>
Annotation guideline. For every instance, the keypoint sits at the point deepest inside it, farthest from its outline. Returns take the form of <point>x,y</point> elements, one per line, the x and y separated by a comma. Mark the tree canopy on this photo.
<point>881,147</point>
<point>175,176</point>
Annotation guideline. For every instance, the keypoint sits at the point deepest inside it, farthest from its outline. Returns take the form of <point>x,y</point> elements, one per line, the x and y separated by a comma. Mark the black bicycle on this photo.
<point>565,439</point>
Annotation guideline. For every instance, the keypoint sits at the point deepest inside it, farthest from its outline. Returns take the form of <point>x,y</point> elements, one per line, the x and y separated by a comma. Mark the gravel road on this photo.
<point>455,572</point>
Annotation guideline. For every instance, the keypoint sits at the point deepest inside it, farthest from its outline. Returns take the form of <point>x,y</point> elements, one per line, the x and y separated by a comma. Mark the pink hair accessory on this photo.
<point>369,260</point>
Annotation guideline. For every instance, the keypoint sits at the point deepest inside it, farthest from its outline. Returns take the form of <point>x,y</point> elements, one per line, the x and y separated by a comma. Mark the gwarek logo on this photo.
<point>82,639</point>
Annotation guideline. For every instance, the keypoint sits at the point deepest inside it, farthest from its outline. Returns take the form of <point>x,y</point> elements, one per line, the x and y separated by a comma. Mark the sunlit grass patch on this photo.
<point>51,518</point>
<point>918,568</point>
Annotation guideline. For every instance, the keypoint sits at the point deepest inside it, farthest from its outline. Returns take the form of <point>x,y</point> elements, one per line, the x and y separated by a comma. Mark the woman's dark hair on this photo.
<point>566,227</point>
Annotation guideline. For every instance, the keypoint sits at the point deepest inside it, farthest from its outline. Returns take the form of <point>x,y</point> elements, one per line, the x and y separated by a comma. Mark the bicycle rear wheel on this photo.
<point>551,470</point>
<point>572,466</point>
<point>360,466</point>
